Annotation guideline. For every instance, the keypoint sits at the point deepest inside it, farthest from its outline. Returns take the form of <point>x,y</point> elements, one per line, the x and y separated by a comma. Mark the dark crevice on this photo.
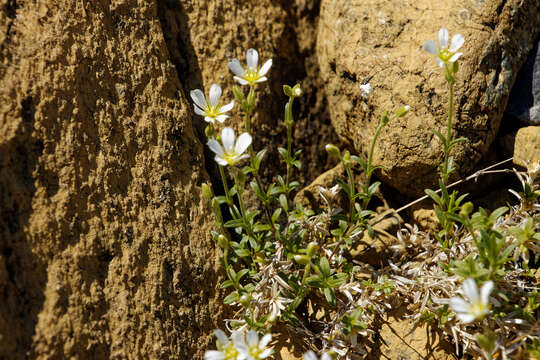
<point>175,27</point>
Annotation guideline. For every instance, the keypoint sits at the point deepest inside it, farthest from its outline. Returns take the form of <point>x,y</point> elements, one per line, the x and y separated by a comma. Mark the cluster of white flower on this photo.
<point>229,151</point>
<point>240,346</point>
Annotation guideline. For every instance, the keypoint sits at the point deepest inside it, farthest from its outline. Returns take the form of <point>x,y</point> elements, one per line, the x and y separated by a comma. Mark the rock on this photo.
<point>400,338</point>
<point>309,196</point>
<point>269,26</point>
<point>381,43</point>
<point>104,235</point>
<point>527,147</point>
<point>524,101</point>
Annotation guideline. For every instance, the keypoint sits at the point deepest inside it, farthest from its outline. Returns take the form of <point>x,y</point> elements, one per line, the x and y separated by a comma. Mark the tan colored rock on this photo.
<point>381,42</point>
<point>104,236</point>
<point>310,195</point>
<point>399,338</point>
<point>527,147</point>
<point>202,36</point>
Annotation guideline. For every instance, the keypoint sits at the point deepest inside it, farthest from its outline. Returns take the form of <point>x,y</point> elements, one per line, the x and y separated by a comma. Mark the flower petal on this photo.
<point>455,57</point>
<point>198,110</point>
<point>227,138</point>
<point>310,355</point>
<point>198,98</point>
<point>241,80</point>
<point>236,68</point>
<point>252,58</point>
<point>264,69</point>
<point>485,291</point>
<point>266,353</point>
<point>221,161</point>
<point>326,356</point>
<point>242,143</point>
<point>470,290</point>
<point>251,337</point>
<point>214,355</point>
<point>227,107</point>
<point>466,318</point>
<point>443,38</point>
<point>215,94</point>
<point>237,338</point>
<point>459,305</point>
<point>457,41</point>
<point>431,47</point>
<point>265,340</point>
<point>221,118</point>
<point>215,146</point>
<point>209,119</point>
<point>262,79</point>
<point>440,62</point>
<point>220,334</point>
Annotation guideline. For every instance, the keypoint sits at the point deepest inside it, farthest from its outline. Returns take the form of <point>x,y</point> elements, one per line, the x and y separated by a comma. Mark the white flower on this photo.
<point>477,305</point>
<point>253,74</point>
<point>254,349</point>
<point>445,54</point>
<point>310,355</point>
<point>365,89</point>
<point>227,350</point>
<point>211,109</point>
<point>231,152</point>
<point>277,302</point>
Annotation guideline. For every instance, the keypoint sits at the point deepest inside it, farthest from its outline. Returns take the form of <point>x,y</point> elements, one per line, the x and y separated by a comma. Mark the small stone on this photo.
<point>527,147</point>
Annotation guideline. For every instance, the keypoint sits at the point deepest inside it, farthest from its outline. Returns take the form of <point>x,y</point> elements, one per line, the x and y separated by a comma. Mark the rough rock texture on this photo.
<point>104,238</point>
<point>380,42</point>
<point>527,147</point>
<point>201,57</point>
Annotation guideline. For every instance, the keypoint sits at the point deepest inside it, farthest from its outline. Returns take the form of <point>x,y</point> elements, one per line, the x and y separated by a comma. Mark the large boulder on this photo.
<point>203,36</point>
<point>104,236</point>
<point>381,43</point>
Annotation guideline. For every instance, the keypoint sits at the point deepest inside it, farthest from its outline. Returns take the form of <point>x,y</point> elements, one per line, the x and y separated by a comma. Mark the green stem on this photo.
<point>371,151</point>
<point>225,185</point>
<point>446,171</point>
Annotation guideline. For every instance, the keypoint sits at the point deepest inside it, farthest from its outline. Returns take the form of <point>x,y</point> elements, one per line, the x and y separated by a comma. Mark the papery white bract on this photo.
<point>253,348</point>
<point>211,109</point>
<point>477,304</point>
<point>252,74</point>
<point>227,349</point>
<point>365,90</point>
<point>232,151</point>
<point>445,54</point>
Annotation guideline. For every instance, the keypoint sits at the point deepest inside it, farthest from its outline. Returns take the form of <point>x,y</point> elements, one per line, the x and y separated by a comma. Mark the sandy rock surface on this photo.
<point>380,42</point>
<point>104,237</point>
<point>527,147</point>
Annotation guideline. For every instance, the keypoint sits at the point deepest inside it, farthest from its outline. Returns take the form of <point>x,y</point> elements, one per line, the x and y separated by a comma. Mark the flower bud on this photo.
<point>210,132</point>
<point>301,259</point>
<point>245,300</point>
<point>466,209</point>
<point>222,241</point>
<point>312,248</point>
<point>385,119</point>
<point>287,90</point>
<point>238,94</point>
<point>402,111</point>
<point>333,150</point>
<point>346,157</point>
<point>297,91</point>
<point>207,192</point>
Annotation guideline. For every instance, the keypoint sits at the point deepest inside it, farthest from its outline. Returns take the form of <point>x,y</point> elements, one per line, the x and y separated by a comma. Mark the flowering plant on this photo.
<point>293,265</point>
